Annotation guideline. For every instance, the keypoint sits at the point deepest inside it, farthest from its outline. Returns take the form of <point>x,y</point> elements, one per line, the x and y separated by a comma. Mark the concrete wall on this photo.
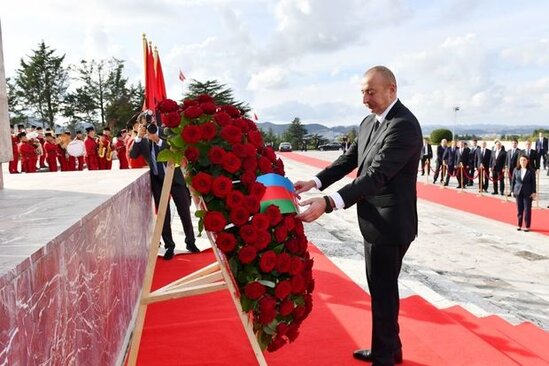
<point>6,153</point>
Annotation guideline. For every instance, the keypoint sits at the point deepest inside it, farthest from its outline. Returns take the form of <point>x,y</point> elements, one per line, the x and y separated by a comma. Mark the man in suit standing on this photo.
<point>386,152</point>
<point>512,161</point>
<point>497,163</point>
<point>542,147</point>
<point>471,163</point>
<point>531,155</point>
<point>462,158</point>
<point>426,156</point>
<point>482,164</point>
<point>149,148</point>
<point>440,153</point>
<point>449,159</point>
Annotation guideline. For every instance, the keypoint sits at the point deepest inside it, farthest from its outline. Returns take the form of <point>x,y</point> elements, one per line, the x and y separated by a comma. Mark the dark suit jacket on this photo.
<point>472,156</point>
<point>143,148</point>
<point>385,187</point>
<point>449,157</point>
<point>512,159</point>
<point>429,151</point>
<point>532,156</point>
<point>483,160</point>
<point>440,153</point>
<point>525,186</point>
<point>542,146</point>
<point>463,156</point>
<point>499,162</point>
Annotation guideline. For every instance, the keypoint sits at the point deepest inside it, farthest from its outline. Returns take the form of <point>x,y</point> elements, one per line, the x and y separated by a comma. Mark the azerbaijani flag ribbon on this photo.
<point>280,192</point>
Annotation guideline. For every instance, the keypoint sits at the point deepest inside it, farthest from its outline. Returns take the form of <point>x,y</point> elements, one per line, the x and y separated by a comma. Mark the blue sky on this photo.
<point>305,58</point>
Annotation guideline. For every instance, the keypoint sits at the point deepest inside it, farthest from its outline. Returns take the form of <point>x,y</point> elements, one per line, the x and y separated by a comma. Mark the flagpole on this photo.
<point>144,70</point>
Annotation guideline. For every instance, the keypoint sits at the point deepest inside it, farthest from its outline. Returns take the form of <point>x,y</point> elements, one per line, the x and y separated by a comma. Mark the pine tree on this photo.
<point>295,133</point>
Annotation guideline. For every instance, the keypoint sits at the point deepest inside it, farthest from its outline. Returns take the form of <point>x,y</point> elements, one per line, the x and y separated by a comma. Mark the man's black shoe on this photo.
<point>169,253</point>
<point>494,192</point>
<point>193,248</point>
<point>366,355</point>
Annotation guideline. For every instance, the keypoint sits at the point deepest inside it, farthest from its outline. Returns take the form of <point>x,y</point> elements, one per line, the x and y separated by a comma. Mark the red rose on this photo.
<point>255,138</point>
<point>249,164</point>
<point>208,131</point>
<point>269,153</point>
<point>299,227</point>
<point>247,178</point>
<point>189,103</point>
<point>276,343</point>
<point>225,241</point>
<point>231,162</point>
<point>267,262</point>
<point>298,284</point>
<point>221,186</point>
<point>254,290</point>
<point>192,153</point>
<point>222,119</point>
<point>202,182</point>
<point>292,245</point>
<point>267,303</point>
<point>283,262</point>
<point>239,150</point>
<point>263,240</point>
<point>251,151</point>
<point>248,234</point>
<point>252,204</point>
<point>296,266</point>
<point>242,124</point>
<point>234,199</point>
<point>205,98</point>
<point>231,134</point>
<point>239,216</point>
<point>283,289</point>
<point>281,329</point>
<point>191,134</point>
<point>308,303</point>
<point>251,125</point>
<point>265,317</point>
<point>167,106</point>
<point>302,241</point>
<point>257,189</point>
<point>208,107</point>
<point>279,167</point>
<point>214,221</point>
<point>286,307</point>
<point>311,285</point>
<point>260,221</point>
<point>299,313</point>
<point>193,112</point>
<point>216,154</point>
<point>281,233</point>
<point>293,331</point>
<point>171,120</point>
<point>265,165</point>
<point>231,111</point>
<point>274,214</point>
<point>247,254</point>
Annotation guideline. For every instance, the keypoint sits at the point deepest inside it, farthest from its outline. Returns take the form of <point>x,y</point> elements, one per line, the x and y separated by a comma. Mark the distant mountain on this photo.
<point>481,129</point>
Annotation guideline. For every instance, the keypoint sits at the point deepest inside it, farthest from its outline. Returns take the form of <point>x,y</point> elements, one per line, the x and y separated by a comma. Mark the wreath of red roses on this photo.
<point>267,251</point>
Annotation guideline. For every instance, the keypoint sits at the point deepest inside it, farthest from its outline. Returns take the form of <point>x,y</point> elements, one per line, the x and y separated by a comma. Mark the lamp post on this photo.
<point>456,109</point>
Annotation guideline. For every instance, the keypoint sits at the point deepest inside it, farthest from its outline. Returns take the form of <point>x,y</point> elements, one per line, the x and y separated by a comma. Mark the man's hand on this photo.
<point>303,186</point>
<point>141,131</point>
<point>317,206</point>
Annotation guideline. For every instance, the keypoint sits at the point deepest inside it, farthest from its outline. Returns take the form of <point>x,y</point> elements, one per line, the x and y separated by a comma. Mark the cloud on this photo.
<point>533,53</point>
<point>271,78</point>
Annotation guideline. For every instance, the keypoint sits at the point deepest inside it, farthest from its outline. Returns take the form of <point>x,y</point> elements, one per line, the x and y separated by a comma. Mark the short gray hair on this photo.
<point>385,73</point>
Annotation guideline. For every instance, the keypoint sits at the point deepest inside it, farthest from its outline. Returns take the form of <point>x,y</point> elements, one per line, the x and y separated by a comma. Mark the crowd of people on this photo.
<point>39,150</point>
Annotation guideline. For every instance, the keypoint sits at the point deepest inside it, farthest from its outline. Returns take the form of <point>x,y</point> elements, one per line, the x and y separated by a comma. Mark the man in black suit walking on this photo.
<point>386,153</point>
<point>482,163</point>
<point>149,147</point>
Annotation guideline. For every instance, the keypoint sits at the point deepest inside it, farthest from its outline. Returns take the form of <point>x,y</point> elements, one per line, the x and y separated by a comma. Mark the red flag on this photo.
<point>181,76</point>
<point>150,80</point>
<point>160,85</point>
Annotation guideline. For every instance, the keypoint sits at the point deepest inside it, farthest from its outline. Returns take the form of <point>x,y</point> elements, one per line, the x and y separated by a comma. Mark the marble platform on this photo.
<point>73,251</point>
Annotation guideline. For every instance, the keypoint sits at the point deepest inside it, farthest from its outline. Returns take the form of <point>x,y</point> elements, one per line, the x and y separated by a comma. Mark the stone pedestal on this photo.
<point>6,153</point>
<point>73,250</point>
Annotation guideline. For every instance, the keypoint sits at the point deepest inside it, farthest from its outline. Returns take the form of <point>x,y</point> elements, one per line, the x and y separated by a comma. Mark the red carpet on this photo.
<point>205,330</point>
<point>485,206</point>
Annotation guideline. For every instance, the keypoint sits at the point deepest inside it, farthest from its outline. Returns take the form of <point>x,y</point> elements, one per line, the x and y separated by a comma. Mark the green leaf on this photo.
<point>299,300</point>
<point>233,264</point>
<point>166,155</point>
<point>200,213</point>
<point>270,284</point>
<point>200,225</point>
<point>177,142</point>
<point>264,340</point>
<point>247,304</point>
<point>278,249</point>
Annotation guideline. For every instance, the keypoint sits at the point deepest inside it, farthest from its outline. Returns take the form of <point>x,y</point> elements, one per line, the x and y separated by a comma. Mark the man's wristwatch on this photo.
<point>329,207</point>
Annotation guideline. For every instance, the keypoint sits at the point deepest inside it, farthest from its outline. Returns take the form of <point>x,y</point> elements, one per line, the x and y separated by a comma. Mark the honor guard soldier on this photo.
<point>105,150</point>
<point>50,152</point>
<point>92,160</point>
<point>15,149</point>
<point>28,154</point>
<point>121,149</point>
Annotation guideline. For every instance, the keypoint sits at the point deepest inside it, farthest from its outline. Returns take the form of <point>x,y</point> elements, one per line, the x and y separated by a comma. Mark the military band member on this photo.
<point>76,162</point>
<point>50,152</point>
<point>28,154</point>
<point>105,150</point>
<point>41,139</point>
<point>92,160</point>
<point>13,165</point>
<point>121,149</point>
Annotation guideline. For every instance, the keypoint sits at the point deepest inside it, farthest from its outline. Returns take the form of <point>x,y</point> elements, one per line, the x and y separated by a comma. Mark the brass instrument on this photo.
<point>101,149</point>
<point>109,152</point>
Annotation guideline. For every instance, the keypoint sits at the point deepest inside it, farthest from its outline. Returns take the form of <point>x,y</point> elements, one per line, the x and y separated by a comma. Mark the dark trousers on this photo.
<point>438,166</point>
<point>449,173</point>
<point>485,173</point>
<point>182,199</point>
<point>524,210</point>
<point>497,174</point>
<point>425,160</point>
<point>383,265</point>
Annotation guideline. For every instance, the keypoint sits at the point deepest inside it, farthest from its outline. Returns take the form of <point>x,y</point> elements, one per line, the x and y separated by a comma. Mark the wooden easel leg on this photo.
<point>151,263</point>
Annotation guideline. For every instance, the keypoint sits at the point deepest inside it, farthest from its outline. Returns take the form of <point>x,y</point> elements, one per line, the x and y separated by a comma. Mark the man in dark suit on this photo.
<point>149,148</point>
<point>386,152</point>
<point>482,164</point>
<point>426,156</point>
<point>542,147</point>
<point>471,163</point>
<point>512,160</point>
<point>450,160</point>
<point>462,158</point>
<point>531,155</point>
<point>497,163</point>
<point>440,153</point>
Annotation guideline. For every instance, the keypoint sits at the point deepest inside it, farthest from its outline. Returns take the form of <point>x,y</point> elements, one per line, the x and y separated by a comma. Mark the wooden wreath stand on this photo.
<point>214,277</point>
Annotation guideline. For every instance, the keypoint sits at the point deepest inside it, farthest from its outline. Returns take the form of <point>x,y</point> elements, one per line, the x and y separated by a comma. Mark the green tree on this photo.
<point>351,135</point>
<point>15,103</point>
<point>270,137</point>
<point>439,134</point>
<point>220,92</point>
<point>42,83</point>
<point>295,133</point>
